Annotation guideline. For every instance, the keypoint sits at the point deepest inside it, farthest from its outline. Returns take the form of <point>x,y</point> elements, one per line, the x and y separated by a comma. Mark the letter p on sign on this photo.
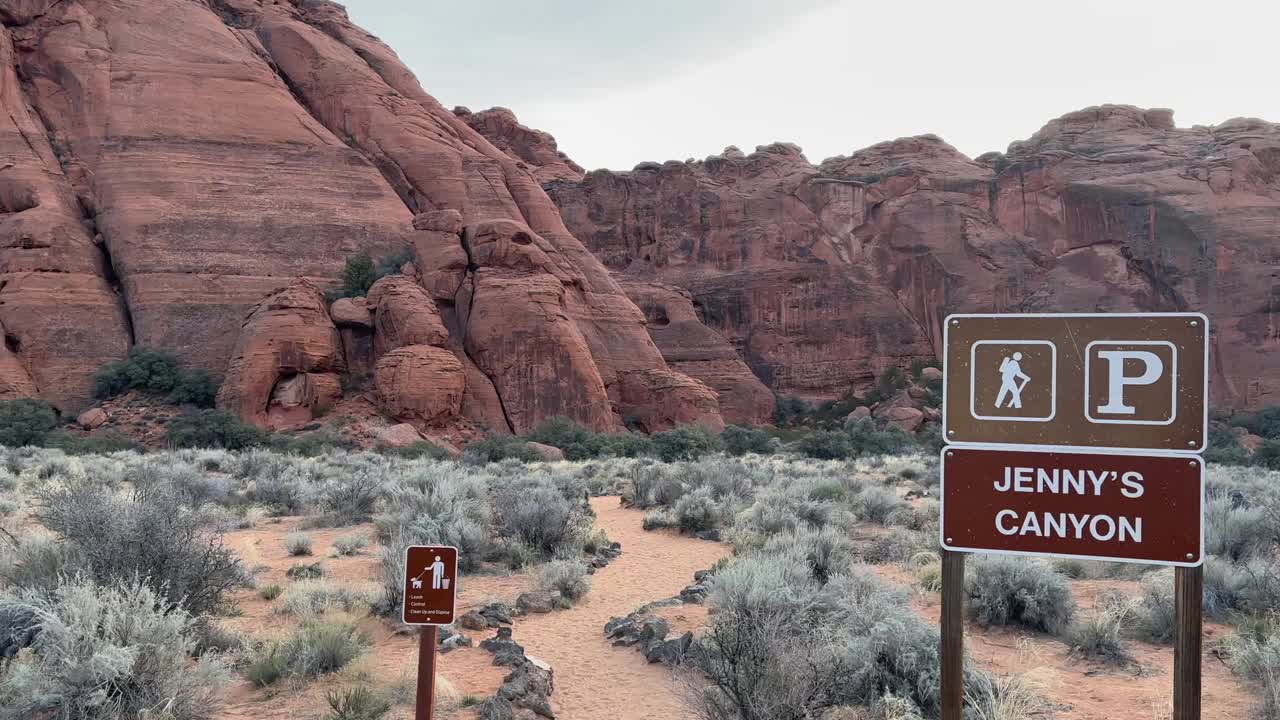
<point>1131,382</point>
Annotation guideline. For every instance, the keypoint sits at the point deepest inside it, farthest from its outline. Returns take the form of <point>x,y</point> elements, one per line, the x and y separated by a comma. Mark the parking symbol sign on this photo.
<point>1136,382</point>
<point>1131,383</point>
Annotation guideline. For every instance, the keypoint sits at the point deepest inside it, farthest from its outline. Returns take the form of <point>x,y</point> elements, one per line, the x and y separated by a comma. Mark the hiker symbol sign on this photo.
<point>430,584</point>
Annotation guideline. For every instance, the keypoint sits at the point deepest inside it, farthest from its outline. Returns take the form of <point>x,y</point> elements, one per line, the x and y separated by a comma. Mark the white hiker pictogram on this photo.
<point>1010,374</point>
<point>438,580</point>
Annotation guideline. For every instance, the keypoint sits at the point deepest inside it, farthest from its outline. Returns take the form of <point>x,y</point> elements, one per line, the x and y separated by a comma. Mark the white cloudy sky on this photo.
<point>622,81</point>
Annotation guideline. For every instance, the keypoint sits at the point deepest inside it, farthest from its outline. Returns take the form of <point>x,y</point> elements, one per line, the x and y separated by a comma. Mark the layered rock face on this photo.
<point>178,173</point>
<point>821,275</point>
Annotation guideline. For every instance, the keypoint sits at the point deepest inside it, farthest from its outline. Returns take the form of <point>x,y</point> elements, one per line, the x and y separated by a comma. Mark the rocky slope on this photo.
<point>821,275</point>
<point>192,177</point>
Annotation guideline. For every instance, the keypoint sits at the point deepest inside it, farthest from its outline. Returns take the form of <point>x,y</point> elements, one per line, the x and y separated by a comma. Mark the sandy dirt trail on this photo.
<point>593,679</point>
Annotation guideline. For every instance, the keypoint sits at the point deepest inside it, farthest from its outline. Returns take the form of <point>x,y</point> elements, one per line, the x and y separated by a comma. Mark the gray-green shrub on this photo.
<point>316,648</point>
<point>699,510</point>
<point>1017,591</point>
<point>109,652</point>
<point>568,577</point>
<point>151,533</point>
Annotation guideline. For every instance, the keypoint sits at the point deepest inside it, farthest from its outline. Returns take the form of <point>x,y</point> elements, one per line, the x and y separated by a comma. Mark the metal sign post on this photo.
<point>1075,435</point>
<point>430,600</point>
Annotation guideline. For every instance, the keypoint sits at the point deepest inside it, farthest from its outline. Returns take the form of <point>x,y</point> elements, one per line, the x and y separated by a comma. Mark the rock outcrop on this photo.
<point>285,365</point>
<point>537,148</point>
<point>421,383</point>
<point>696,350</point>
<point>134,214</point>
<point>822,275</point>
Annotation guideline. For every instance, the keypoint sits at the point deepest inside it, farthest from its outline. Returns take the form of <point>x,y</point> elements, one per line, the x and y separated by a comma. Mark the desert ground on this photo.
<point>873,513</point>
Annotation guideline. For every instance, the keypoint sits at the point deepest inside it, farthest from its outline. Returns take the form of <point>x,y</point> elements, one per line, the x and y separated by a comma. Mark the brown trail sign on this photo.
<point>1097,505</point>
<point>1111,381</point>
<point>430,599</point>
<point>1072,435</point>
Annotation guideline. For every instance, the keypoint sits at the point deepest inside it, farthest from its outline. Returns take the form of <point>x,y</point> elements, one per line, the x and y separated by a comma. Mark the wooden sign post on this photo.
<point>430,600</point>
<point>1075,435</point>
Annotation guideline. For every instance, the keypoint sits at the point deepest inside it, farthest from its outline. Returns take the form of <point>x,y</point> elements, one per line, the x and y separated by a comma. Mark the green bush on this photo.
<point>739,440</point>
<point>867,439</point>
<point>195,387</point>
<point>25,422</point>
<point>155,372</point>
<point>496,448</point>
<point>536,515</point>
<point>790,410</point>
<point>212,429</point>
<point>687,442</point>
<point>826,445</point>
<point>105,652</point>
<point>1016,591</point>
<point>360,273</point>
<point>1265,422</point>
<point>1268,455</point>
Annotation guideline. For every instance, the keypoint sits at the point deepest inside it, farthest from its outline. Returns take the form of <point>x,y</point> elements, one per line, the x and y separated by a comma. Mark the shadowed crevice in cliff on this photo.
<point>463,303</point>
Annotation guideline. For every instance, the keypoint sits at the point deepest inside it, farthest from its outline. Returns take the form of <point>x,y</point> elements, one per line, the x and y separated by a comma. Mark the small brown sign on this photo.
<point>1115,381</point>
<point>430,584</point>
<point>1103,505</point>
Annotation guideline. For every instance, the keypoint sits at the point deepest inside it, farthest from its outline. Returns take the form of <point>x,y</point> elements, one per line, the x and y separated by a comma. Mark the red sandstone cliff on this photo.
<point>821,275</point>
<point>190,175</point>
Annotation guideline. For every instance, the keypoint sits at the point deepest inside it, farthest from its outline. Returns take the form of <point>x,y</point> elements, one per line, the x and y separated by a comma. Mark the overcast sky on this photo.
<point>622,81</point>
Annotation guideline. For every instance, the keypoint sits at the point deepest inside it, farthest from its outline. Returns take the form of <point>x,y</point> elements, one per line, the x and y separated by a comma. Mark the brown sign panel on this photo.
<point>1102,505</point>
<point>1116,381</point>
<point>430,584</point>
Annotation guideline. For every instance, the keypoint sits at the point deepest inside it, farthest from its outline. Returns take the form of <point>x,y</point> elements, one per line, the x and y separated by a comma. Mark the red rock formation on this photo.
<point>286,361</point>
<point>403,314</point>
<point>822,275</point>
<point>197,166</point>
<point>537,148</point>
<point>61,319</point>
<point>420,383</point>
<point>702,353</point>
<point>320,145</point>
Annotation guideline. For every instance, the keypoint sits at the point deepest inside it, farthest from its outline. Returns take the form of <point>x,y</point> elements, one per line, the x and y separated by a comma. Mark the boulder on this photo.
<point>286,335</point>
<point>445,221</point>
<point>1250,442</point>
<point>930,374</point>
<point>92,418</point>
<point>669,652</point>
<point>473,620</point>
<point>421,383</point>
<point>536,602</point>
<point>351,312</point>
<point>404,314</point>
<point>915,392</point>
<point>860,412</point>
<point>548,453</point>
<point>661,399</point>
<point>904,418</point>
<point>398,436</point>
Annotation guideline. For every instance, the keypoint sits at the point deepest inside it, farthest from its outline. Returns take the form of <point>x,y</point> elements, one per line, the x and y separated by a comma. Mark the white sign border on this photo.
<point>942,498</point>
<point>457,557</point>
<point>1204,421</point>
